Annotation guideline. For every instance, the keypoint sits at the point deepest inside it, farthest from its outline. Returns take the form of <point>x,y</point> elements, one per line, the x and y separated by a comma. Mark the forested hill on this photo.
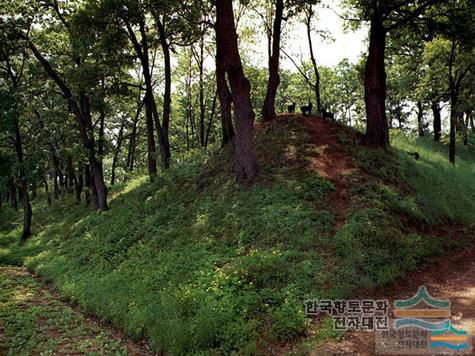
<point>196,263</point>
<point>180,177</point>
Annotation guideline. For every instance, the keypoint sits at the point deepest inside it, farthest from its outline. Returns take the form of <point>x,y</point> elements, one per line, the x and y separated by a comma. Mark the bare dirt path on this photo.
<point>331,162</point>
<point>34,321</point>
<point>451,277</point>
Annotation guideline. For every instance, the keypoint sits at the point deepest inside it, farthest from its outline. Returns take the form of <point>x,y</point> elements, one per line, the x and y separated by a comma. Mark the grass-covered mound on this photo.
<point>196,263</point>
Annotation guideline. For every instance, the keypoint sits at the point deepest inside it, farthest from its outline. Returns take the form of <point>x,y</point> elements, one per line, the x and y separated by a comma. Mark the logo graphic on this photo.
<point>457,340</point>
<point>423,325</point>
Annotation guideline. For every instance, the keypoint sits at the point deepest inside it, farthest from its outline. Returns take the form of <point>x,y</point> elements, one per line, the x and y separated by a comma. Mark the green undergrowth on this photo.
<point>197,264</point>
<point>33,321</point>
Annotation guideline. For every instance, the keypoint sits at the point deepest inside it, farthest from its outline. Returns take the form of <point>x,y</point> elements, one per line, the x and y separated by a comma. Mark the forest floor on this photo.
<point>34,320</point>
<point>449,277</point>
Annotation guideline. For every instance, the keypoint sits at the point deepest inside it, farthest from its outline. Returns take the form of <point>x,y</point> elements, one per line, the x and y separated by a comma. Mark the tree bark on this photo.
<point>268,109</point>
<point>246,167</point>
<point>225,100</point>
<point>377,131</point>
<point>141,50</point>
<point>437,121</point>
<point>210,125</point>
<point>167,99</point>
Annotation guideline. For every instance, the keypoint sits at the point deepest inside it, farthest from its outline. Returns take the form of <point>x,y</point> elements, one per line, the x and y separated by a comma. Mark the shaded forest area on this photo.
<point>168,181</point>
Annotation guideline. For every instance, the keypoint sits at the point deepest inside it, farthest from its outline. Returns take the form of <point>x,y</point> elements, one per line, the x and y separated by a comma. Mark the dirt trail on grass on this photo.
<point>451,277</point>
<point>33,320</point>
<point>331,162</point>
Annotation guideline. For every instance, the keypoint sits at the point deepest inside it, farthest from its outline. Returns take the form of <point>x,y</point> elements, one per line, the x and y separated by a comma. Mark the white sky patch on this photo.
<point>328,52</point>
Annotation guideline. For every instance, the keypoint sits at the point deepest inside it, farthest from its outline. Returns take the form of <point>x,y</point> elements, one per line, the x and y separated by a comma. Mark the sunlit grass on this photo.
<point>196,263</point>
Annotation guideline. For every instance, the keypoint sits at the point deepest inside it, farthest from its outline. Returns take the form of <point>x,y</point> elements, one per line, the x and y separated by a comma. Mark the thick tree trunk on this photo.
<point>225,100</point>
<point>420,118</point>
<point>268,110</point>
<point>437,121</point>
<point>377,131</point>
<point>246,167</point>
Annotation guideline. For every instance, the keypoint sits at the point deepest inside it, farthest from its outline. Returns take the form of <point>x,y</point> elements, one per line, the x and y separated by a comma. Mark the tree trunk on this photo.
<point>316,86</point>
<point>149,100</point>
<point>133,139</point>
<point>420,117</point>
<point>246,167</point>
<point>377,131</point>
<point>210,125</point>
<point>72,181</point>
<point>167,100</point>
<point>85,129</point>
<point>200,61</point>
<point>117,151</point>
<point>437,121</point>
<point>268,110</point>
<point>27,212</point>
<point>225,100</point>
